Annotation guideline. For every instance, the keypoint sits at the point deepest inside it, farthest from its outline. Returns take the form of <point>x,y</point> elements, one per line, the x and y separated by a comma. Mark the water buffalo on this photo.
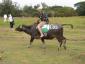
<point>52,33</point>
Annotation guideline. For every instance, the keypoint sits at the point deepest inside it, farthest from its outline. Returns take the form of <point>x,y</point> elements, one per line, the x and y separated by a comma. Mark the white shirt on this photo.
<point>5,16</point>
<point>10,19</point>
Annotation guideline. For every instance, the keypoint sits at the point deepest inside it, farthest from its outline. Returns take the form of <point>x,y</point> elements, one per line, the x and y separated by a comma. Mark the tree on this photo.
<point>36,6</point>
<point>68,11</point>
<point>44,5</point>
<point>29,11</point>
<point>60,11</point>
<point>80,8</point>
<point>8,7</point>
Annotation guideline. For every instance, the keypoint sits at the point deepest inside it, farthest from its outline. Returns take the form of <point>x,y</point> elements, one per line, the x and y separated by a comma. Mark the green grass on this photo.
<point>13,45</point>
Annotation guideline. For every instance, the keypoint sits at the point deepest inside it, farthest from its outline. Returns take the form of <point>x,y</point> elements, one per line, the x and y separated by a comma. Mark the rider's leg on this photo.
<point>39,28</point>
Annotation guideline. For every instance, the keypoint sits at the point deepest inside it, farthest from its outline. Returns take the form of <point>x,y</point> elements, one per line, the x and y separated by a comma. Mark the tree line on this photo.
<point>10,7</point>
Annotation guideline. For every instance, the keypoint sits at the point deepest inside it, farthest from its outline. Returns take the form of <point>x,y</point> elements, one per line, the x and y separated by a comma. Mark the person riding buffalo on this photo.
<point>43,19</point>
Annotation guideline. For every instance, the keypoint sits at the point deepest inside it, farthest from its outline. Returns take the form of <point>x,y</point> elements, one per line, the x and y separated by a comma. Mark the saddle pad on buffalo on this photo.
<point>47,27</point>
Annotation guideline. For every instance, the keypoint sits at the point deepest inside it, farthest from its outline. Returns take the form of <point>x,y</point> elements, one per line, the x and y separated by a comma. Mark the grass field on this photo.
<point>13,45</point>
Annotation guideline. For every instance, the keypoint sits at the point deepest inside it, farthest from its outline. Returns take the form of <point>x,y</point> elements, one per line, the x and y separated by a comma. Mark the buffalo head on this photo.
<point>24,28</point>
<point>19,28</point>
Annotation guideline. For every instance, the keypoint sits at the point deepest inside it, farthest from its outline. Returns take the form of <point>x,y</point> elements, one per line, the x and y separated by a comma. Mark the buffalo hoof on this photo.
<point>65,48</point>
<point>29,46</point>
<point>44,47</point>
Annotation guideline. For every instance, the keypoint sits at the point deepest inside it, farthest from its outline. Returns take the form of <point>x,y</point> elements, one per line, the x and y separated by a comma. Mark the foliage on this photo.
<point>7,7</point>
<point>80,8</point>
<point>29,11</point>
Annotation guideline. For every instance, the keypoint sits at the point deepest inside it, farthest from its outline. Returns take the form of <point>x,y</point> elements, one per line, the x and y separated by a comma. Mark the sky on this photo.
<point>69,3</point>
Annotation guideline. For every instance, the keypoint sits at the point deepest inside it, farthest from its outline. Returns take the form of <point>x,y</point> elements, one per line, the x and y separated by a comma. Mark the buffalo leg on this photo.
<point>31,41</point>
<point>60,40</point>
<point>43,43</point>
<point>64,43</point>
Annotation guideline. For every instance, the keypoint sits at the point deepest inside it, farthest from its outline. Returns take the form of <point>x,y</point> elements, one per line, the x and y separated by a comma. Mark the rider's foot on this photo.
<point>41,35</point>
